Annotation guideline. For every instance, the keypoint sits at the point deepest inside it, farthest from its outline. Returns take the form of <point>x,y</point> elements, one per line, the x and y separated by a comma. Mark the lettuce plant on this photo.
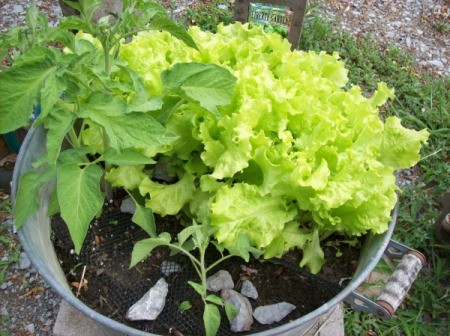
<point>298,154</point>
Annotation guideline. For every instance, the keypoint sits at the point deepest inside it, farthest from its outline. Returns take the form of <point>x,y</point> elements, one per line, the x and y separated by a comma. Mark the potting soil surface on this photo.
<point>110,287</point>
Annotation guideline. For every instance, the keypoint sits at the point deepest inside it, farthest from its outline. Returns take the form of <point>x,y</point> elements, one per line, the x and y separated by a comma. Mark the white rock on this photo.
<point>151,304</point>
<point>273,313</point>
<point>249,290</point>
<point>169,267</point>
<point>436,63</point>
<point>244,319</point>
<point>219,281</point>
<point>128,206</point>
<point>24,262</point>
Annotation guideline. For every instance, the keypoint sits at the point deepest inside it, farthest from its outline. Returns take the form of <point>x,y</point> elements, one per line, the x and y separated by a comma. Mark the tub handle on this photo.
<point>398,284</point>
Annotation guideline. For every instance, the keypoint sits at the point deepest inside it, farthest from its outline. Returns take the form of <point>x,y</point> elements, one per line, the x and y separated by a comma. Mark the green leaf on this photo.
<point>27,201</point>
<point>132,129</point>
<point>144,218</point>
<point>243,210</point>
<point>50,94</point>
<point>231,312</point>
<point>127,157</point>
<point>188,232</point>
<point>72,155</point>
<point>58,124</point>
<point>19,89</point>
<point>53,205</point>
<point>198,288</point>
<point>80,198</point>
<point>211,319</point>
<point>33,56</point>
<point>151,8</point>
<point>31,16</point>
<point>313,256</point>
<point>185,305</point>
<point>105,104</point>
<point>151,105</point>
<point>214,299</point>
<point>243,248</point>
<point>166,24</point>
<point>168,199</point>
<point>208,84</point>
<point>144,247</point>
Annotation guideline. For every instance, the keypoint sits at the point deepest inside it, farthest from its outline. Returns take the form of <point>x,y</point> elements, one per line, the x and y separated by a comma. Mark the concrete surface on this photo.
<point>71,322</point>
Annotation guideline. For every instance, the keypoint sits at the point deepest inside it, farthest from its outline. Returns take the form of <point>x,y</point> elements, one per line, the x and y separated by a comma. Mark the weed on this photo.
<point>207,15</point>
<point>9,248</point>
<point>442,26</point>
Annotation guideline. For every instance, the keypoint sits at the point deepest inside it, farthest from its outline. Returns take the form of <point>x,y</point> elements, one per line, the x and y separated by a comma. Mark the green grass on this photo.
<point>8,246</point>
<point>421,102</point>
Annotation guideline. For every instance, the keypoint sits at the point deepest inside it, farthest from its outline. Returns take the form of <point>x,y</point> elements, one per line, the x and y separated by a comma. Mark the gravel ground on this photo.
<point>420,27</point>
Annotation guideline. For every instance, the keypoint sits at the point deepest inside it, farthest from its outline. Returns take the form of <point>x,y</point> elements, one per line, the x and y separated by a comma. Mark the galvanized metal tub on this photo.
<point>35,238</point>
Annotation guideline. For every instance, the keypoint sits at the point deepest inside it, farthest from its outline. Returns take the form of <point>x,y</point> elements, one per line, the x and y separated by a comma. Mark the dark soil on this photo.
<point>110,287</point>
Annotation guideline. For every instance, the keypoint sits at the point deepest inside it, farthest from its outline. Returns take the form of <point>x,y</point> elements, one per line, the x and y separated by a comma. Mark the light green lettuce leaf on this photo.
<point>128,177</point>
<point>168,199</point>
<point>400,146</point>
<point>241,209</point>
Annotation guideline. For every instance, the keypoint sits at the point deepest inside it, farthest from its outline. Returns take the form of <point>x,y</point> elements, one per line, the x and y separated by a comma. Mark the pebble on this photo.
<point>386,21</point>
<point>273,313</point>
<point>249,290</point>
<point>151,304</point>
<point>24,262</point>
<point>219,281</point>
<point>30,328</point>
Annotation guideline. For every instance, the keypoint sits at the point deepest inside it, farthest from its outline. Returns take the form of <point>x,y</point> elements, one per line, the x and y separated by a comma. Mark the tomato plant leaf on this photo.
<point>208,84</point>
<point>27,201</point>
<point>133,129</point>
<point>19,89</point>
<point>214,299</point>
<point>211,319</point>
<point>230,311</point>
<point>198,288</point>
<point>143,247</point>
<point>144,218</point>
<point>50,94</point>
<point>185,305</point>
<point>58,124</point>
<point>164,23</point>
<point>126,157</point>
<point>79,197</point>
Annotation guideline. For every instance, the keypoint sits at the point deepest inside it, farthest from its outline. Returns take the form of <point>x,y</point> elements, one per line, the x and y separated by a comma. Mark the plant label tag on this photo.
<point>273,18</point>
<point>282,16</point>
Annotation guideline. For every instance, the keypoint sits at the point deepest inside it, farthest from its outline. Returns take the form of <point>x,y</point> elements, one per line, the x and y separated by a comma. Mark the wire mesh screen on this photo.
<point>110,287</point>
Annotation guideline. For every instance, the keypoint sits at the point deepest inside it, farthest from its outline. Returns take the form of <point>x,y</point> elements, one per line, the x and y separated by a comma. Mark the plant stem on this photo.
<point>210,267</point>
<point>74,138</point>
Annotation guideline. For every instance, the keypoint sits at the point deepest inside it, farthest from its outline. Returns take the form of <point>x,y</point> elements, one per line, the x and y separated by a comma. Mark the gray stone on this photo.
<point>18,9</point>
<point>273,313</point>
<point>30,328</point>
<point>128,206</point>
<point>436,63</point>
<point>219,281</point>
<point>151,304</point>
<point>244,319</point>
<point>249,290</point>
<point>169,267</point>
<point>24,262</point>
<point>3,286</point>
